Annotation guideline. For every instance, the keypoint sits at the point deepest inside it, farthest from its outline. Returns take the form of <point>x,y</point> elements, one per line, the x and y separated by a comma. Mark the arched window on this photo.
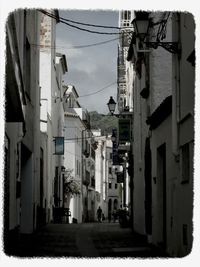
<point>115,204</point>
<point>109,205</point>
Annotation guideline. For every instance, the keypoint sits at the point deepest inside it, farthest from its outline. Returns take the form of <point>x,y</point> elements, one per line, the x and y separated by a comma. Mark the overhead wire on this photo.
<point>95,44</point>
<point>86,30</point>
<point>77,46</point>
<point>85,24</point>
<point>76,27</point>
<point>75,139</point>
<point>90,25</point>
<point>63,20</point>
<point>100,90</point>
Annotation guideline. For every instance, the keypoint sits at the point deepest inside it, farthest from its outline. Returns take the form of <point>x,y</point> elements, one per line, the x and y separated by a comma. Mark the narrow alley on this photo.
<point>86,240</point>
<point>99,137</point>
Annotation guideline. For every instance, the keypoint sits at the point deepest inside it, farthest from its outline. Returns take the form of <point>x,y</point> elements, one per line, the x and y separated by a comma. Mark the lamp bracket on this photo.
<point>172,47</point>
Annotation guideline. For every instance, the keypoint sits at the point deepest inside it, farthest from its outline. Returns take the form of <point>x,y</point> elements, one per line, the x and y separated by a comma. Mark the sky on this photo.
<point>93,68</point>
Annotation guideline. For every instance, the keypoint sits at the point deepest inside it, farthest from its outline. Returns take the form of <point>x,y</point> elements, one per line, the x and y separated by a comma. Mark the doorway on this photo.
<point>148,188</point>
<point>162,205</point>
<point>109,207</point>
<point>27,205</point>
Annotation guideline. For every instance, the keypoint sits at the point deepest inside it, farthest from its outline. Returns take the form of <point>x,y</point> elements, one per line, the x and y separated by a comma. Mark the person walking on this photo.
<point>109,216</point>
<point>99,213</point>
<point>114,215</point>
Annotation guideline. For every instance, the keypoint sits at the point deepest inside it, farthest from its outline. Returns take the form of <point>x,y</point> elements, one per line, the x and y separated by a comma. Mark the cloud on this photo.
<point>66,48</point>
<point>91,68</point>
<point>85,64</point>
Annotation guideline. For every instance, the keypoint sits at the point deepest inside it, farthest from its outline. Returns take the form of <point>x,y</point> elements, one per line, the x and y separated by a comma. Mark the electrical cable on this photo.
<point>73,26</point>
<point>98,90</point>
<point>76,27</point>
<point>90,25</point>
<point>95,44</point>
<point>86,24</point>
<point>86,30</point>
<point>82,29</point>
<point>80,138</point>
<point>76,46</point>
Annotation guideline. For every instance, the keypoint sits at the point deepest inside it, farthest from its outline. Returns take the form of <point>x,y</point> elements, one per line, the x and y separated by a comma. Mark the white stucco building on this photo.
<point>125,70</point>
<point>73,148</point>
<point>125,101</point>
<point>114,189</point>
<point>163,144</point>
<point>22,152</point>
<point>100,172</point>
<point>79,156</point>
<point>53,66</point>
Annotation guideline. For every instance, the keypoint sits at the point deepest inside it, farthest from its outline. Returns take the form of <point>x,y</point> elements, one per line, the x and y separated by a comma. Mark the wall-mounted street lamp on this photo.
<point>114,135</point>
<point>142,24</point>
<point>111,105</point>
<point>113,138</point>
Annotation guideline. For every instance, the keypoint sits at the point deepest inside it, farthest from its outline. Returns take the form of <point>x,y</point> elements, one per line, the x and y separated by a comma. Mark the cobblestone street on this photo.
<point>86,240</point>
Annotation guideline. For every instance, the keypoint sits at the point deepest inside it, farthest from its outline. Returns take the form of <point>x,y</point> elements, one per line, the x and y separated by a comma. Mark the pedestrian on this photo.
<point>109,216</point>
<point>114,215</point>
<point>99,214</point>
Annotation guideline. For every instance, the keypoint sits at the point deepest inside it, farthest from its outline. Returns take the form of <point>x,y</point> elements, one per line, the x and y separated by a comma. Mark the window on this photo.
<point>93,153</point>
<point>185,162</point>
<point>28,68</point>
<point>110,170</point>
<point>41,176</point>
<point>185,234</point>
<point>115,186</point>
<point>71,102</point>
<point>129,15</point>
<point>77,169</point>
<point>93,182</point>
<point>122,14</point>
<point>110,155</point>
<point>110,185</point>
<point>6,185</point>
<point>125,15</point>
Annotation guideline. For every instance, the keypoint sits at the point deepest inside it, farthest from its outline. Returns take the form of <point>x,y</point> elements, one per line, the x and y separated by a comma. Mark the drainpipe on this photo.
<point>82,159</point>
<point>82,170</point>
<point>176,92</point>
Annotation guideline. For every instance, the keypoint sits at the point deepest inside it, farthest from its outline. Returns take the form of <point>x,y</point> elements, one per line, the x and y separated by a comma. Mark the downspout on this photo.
<point>176,92</point>
<point>82,171</point>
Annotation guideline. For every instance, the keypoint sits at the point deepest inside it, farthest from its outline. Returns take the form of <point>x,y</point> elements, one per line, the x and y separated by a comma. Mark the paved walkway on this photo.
<point>90,240</point>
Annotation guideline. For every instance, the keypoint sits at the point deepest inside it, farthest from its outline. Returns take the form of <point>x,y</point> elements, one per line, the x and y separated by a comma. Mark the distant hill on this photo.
<point>104,122</point>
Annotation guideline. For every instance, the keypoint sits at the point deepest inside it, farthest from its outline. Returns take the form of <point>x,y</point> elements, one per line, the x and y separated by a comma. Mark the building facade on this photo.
<point>114,195</point>
<point>73,150</point>
<point>22,153</point>
<point>125,101</point>
<point>34,116</point>
<point>99,170</point>
<point>53,66</point>
<point>163,146</point>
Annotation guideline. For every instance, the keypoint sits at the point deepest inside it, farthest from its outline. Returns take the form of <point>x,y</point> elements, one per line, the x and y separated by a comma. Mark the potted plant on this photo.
<point>71,186</point>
